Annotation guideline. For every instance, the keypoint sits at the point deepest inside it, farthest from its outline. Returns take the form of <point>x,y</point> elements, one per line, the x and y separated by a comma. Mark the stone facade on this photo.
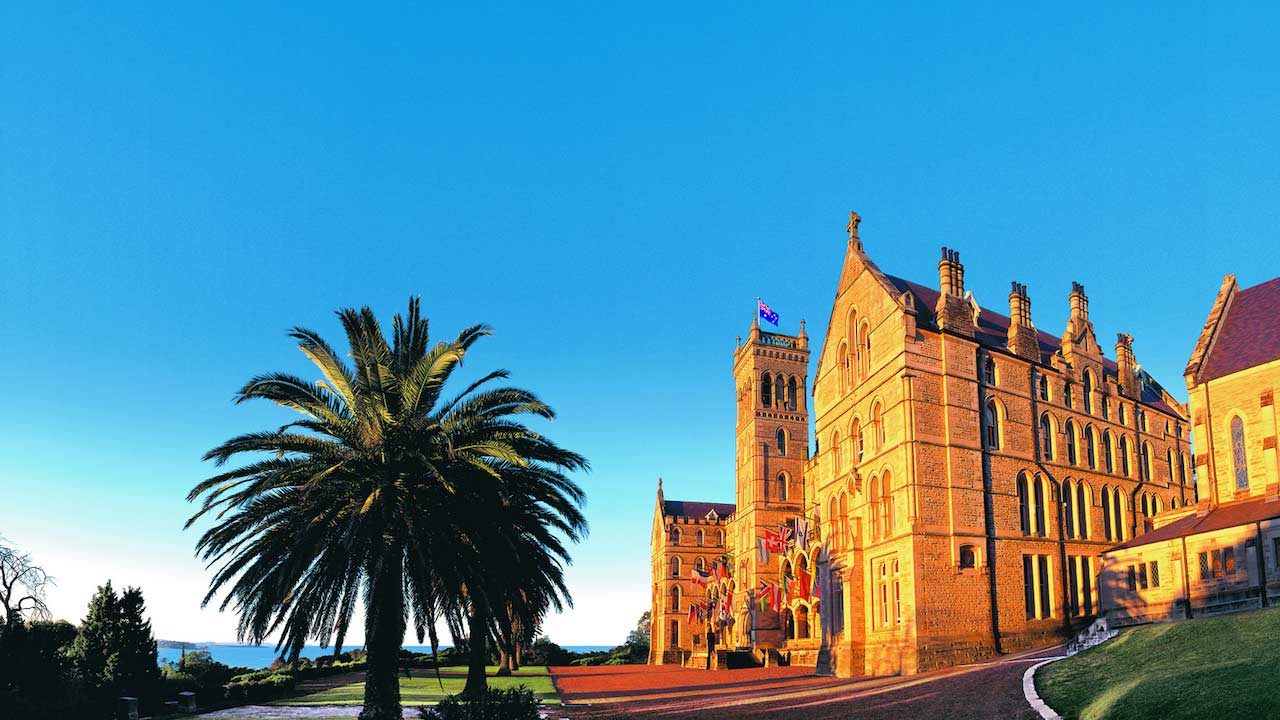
<point>1224,553</point>
<point>968,471</point>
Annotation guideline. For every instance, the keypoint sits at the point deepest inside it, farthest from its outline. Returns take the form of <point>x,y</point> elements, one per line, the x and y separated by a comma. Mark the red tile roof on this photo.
<point>1249,335</point>
<point>1223,516</point>
<point>993,332</point>
<point>695,509</point>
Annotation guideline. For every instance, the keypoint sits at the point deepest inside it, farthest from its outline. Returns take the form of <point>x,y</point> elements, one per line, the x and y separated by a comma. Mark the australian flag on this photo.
<point>766,313</point>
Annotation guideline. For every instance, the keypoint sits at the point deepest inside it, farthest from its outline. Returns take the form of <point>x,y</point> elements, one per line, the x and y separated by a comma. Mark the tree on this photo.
<point>23,586</point>
<point>137,671</point>
<point>94,651</point>
<point>384,494</point>
<point>639,637</point>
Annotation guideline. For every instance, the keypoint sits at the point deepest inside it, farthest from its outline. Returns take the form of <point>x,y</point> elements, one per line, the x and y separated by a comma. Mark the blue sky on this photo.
<point>610,187</point>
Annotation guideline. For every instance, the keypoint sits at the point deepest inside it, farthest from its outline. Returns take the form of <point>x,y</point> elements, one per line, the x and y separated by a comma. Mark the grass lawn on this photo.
<point>1223,667</point>
<point>423,689</point>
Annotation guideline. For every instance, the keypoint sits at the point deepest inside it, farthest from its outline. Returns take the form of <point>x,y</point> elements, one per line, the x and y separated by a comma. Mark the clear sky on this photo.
<point>609,186</point>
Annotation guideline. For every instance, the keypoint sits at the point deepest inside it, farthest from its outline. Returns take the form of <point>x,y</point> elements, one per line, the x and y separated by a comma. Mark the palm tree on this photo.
<point>384,494</point>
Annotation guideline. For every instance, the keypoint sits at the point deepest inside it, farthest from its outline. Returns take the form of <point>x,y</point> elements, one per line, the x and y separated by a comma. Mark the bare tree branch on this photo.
<point>23,586</point>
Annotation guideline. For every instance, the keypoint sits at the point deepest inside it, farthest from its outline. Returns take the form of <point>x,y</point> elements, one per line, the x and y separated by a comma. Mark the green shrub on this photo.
<point>271,686</point>
<point>518,703</point>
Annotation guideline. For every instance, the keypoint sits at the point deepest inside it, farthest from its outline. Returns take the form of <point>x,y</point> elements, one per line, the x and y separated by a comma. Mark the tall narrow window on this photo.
<point>675,536</point>
<point>1045,598</point>
<point>846,538</point>
<point>864,351</point>
<point>1239,455</point>
<point>1088,392</point>
<point>1117,510</point>
<point>1029,585</point>
<point>675,567</point>
<point>782,486</point>
<point>1182,469</point>
<point>1107,532</point>
<point>1168,457</point>
<point>989,371</point>
<point>1090,452</point>
<point>1046,437</point>
<point>886,503</point>
<point>991,424</point>
<point>874,508</point>
<point>1044,388</point>
<point>1024,505</point>
<point>837,461</point>
<point>844,368</point>
<point>782,442</point>
<point>1105,407</point>
<point>1120,412</point>
<point>780,391</point>
<point>1124,455</point>
<point>877,427</point>
<point>1107,460</point>
<point>1071,443</point>
<point>766,390</point>
<point>833,524</point>
<point>1068,510</point>
<point>1038,491</point>
<point>1146,462</point>
<point>675,598</point>
<point>701,538</point>
<point>1066,395</point>
<point>791,393</point>
<point>855,437</point>
<point>1082,509</point>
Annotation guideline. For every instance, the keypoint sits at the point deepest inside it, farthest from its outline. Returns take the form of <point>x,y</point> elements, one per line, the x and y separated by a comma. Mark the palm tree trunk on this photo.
<point>384,632</point>
<point>504,663</point>
<point>515,656</point>
<point>477,641</point>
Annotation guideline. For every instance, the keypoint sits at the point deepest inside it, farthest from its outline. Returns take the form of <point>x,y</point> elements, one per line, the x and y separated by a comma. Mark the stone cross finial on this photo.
<point>852,227</point>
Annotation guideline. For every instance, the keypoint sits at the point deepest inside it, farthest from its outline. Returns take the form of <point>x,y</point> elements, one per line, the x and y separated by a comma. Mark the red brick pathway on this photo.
<point>987,691</point>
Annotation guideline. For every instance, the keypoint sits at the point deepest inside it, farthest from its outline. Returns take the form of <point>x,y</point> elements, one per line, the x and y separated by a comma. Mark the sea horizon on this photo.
<point>261,656</point>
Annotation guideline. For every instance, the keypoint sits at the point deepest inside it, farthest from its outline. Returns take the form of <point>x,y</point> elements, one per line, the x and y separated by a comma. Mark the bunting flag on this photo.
<point>719,571</point>
<point>804,583</point>
<point>788,588</point>
<point>693,612</point>
<point>762,550</point>
<point>773,541</point>
<point>699,577</point>
<point>775,599</point>
<point>787,535</point>
<point>764,593</point>
<point>816,595</point>
<point>802,532</point>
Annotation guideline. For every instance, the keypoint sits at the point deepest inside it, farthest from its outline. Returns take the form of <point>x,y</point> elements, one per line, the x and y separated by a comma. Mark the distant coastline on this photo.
<point>261,656</point>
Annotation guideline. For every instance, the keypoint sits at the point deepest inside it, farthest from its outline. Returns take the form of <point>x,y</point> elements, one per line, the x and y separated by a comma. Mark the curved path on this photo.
<point>986,690</point>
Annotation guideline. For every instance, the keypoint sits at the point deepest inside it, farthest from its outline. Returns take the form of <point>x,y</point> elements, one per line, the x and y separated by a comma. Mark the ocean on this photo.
<point>261,656</point>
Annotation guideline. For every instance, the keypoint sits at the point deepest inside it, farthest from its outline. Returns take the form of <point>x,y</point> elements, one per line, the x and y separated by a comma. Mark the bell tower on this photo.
<point>770,373</point>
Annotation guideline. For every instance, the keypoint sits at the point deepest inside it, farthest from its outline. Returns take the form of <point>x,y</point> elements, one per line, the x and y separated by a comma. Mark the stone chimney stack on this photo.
<point>954,312</point>
<point>1127,365</point>
<point>1022,333</point>
<point>1079,302</point>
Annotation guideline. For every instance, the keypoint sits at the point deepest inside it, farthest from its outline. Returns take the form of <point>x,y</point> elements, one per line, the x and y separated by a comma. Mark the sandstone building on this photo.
<point>968,471</point>
<point>1223,554</point>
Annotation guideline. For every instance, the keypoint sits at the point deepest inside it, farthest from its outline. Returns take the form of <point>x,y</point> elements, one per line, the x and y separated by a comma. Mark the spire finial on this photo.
<point>852,227</point>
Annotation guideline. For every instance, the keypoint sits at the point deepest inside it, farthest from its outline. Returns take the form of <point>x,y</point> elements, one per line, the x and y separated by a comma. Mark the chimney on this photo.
<point>1079,302</point>
<point>1022,334</point>
<point>1127,365</point>
<point>953,311</point>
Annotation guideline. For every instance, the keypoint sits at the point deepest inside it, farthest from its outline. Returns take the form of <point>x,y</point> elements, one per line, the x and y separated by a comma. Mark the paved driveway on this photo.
<point>990,691</point>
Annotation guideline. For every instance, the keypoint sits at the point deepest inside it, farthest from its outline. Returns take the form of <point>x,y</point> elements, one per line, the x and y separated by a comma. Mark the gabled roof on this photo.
<point>1221,517</point>
<point>1248,335</point>
<point>696,509</point>
<point>993,332</point>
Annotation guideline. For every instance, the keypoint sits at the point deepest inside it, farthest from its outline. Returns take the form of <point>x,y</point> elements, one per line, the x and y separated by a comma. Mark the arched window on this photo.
<point>1107,460</point>
<point>720,538</point>
<point>837,462</point>
<point>1084,499</point>
<point>844,368</point>
<point>1124,455</point>
<point>1239,453</point>
<point>1117,509</point>
<point>791,393</point>
<point>1142,418</point>
<point>675,567</point>
<point>989,371</point>
<point>833,524</point>
<point>886,503</point>
<point>968,559</point>
<point>782,442</point>
<point>846,538</point>
<point>1120,412</point>
<point>1038,493</point>
<point>874,514</point>
<point>1182,468</point>
<point>1046,437</point>
<point>1066,395</point>
<point>766,390</point>
<point>1068,509</point>
<point>1088,392</point>
<point>788,621</point>
<point>675,536</point>
<point>1044,388</point>
<point>1024,504</point>
<point>855,437</point>
<point>864,351</point>
<point>782,486</point>
<point>991,425</point>
<point>780,391</point>
<point>1168,457</point>
<point>1090,452</point>
<point>1107,531</point>
<point>802,622</point>
<point>701,564</point>
<point>701,538</point>
<point>674,597</point>
<point>1071,443</point>
<point>1105,407</point>
<point>1146,462</point>
<point>877,427</point>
